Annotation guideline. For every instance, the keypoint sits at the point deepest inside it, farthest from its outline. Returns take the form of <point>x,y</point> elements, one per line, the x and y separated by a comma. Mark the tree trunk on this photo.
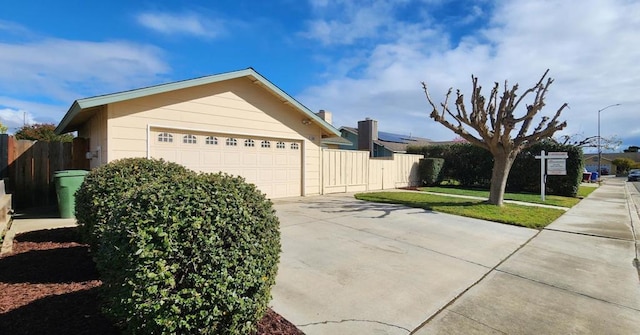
<point>501,167</point>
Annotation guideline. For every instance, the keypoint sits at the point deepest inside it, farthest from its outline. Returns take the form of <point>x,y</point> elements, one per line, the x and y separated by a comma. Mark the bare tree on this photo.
<point>493,119</point>
<point>607,143</point>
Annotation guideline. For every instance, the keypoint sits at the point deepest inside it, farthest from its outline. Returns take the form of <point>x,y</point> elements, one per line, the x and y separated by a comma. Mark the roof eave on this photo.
<point>349,130</point>
<point>81,104</point>
<point>310,114</point>
<point>337,140</point>
<point>70,115</point>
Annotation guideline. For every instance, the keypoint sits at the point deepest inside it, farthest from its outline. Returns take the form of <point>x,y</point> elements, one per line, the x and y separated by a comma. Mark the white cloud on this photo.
<point>350,21</point>
<point>181,24</point>
<point>591,49</point>
<point>55,72</point>
<point>13,28</point>
<point>15,118</point>
<point>67,70</point>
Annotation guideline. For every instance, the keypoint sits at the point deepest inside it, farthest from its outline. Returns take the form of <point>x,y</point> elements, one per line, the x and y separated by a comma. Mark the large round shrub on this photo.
<point>196,255</point>
<point>104,188</point>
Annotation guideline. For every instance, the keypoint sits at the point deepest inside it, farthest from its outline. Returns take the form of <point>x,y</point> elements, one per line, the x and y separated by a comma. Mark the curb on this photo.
<point>7,242</point>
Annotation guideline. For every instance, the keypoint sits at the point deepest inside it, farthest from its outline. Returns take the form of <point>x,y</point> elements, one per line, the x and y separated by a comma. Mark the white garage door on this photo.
<point>273,165</point>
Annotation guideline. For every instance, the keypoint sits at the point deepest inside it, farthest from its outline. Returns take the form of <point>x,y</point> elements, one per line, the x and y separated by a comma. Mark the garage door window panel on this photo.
<point>210,140</point>
<point>189,139</point>
<point>165,138</point>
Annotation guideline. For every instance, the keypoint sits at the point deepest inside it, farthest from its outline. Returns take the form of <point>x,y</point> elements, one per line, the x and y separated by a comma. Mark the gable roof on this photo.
<point>78,111</point>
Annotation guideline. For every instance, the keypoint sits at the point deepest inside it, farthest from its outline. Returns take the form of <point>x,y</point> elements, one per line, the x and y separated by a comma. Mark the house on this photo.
<point>606,160</point>
<point>235,122</point>
<point>606,164</point>
<point>378,143</point>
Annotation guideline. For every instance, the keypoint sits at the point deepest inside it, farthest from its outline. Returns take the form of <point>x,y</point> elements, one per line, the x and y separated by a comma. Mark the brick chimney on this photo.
<point>325,115</point>
<point>367,133</point>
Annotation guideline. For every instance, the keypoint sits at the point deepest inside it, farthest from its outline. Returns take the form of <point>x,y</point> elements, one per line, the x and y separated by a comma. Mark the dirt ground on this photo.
<point>49,285</point>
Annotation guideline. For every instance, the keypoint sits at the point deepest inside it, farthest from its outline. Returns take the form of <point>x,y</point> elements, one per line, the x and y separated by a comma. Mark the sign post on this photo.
<point>553,163</point>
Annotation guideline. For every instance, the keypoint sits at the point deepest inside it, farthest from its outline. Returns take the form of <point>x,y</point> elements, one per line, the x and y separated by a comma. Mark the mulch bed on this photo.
<point>49,285</point>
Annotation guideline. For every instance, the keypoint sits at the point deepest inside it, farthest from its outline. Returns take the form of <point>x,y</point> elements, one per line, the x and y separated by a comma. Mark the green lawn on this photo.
<point>526,216</point>
<point>584,191</point>
<point>554,200</point>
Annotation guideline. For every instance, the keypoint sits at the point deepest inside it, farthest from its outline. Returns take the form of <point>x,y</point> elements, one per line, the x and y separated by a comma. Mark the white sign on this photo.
<point>556,167</point>
<point>556,154</point>
<point>555,164</point>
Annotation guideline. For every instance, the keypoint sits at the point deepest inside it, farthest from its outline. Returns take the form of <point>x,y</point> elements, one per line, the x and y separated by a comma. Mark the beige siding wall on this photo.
<point>95,129</point>
<point>235,106</point>
<point>354,171</point>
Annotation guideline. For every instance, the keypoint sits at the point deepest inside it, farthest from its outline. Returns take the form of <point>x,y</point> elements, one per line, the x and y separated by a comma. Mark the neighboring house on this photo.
<point>236,122</point>
<point>378,143</point>
<point>606,160</point>
<point>634,156</point>
<point>606,164</point>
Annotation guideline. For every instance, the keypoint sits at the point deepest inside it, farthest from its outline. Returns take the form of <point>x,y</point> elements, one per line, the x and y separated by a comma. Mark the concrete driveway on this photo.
<point>352,267</point>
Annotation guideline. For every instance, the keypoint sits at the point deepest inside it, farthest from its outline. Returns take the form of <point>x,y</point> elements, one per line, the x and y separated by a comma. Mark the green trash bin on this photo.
<point>67,183</point>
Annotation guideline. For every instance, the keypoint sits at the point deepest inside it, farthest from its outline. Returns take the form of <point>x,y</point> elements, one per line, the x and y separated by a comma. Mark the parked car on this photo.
<point>634,175</point>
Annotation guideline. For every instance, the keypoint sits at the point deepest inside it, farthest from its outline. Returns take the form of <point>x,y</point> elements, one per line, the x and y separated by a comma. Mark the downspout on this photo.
<point>322,171</point>
<point>148,142</point>
<point>304,167</point>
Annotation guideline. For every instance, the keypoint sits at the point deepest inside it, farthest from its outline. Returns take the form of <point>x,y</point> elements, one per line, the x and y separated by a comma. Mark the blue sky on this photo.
<point>354,58</point>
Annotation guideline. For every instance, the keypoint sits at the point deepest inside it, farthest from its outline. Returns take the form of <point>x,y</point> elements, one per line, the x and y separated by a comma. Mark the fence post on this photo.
<point>79,149</point>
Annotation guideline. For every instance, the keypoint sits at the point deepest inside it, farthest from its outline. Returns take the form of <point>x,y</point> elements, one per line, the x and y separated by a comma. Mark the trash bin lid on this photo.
<point>70,173</point>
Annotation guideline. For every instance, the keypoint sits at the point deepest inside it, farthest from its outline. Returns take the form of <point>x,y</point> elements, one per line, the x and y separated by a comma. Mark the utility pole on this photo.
<point>600,150</point>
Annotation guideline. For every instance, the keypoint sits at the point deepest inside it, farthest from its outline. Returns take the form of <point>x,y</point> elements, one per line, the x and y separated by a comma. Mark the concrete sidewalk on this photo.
<point>42,218</point>
<point>577,276</point>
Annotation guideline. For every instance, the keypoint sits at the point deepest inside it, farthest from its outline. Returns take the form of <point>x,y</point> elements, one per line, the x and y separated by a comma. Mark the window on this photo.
<point>232,142</point>
<point>295,146</point>
<point>211,140</point>
<point>280,145</point>
<point>265,144</point>
<point>189,139</point>
<point>249,143</point>
<point>165,137</point>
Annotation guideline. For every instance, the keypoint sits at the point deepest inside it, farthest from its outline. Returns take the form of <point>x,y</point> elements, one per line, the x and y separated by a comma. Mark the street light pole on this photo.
<point>599,150</point>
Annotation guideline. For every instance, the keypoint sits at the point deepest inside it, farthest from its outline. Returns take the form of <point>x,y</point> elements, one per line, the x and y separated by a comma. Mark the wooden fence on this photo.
<point>355,171</point>
<point>28,167</point>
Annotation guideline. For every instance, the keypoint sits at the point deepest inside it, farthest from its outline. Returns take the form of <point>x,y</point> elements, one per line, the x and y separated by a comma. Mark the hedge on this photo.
<point>525,173</point>
<point>429,170</point>
<point>104,187</point>
<point>471,166</point>
<point>180,252</point>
